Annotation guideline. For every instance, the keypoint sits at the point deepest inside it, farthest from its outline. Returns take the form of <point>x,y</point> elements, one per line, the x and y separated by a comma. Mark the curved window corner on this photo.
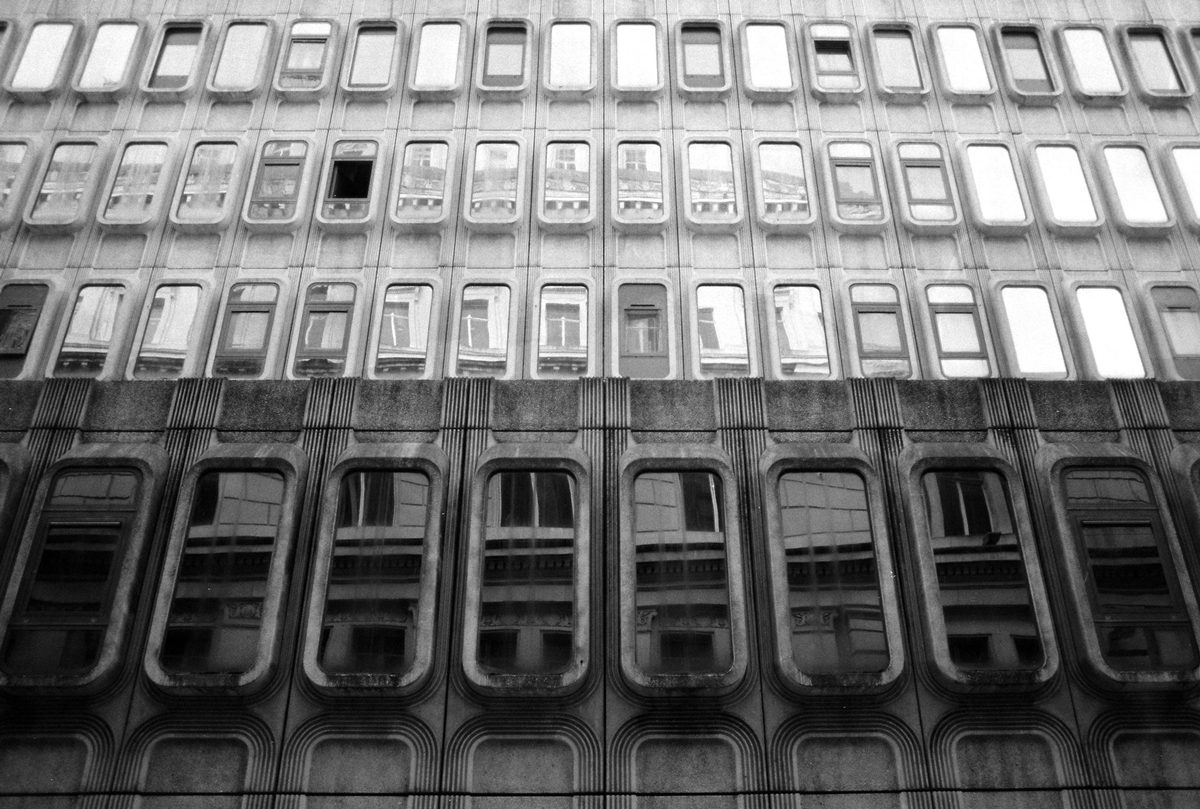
<point>833,61</point>
<point>563,350</point>
<point>929,201</point>
<point>244,341</point>
<point>43,63</point>
<point>279,186</point>
<point>1032,333</point>
<point>801,339</point>
<point>711,183</point>
<point>640,202</point>
<point>307,57</point>
<point>497,190</point>
<point>1068,203</point>
<point>173,65</point>
<point>567,186</point>
<point>1108,331</point>
<point>1183,170</point>
<point>16,164</point>
<point>702,61</point>
<point>167,349</point>
<point>644,335</point>
<point>855,187</point>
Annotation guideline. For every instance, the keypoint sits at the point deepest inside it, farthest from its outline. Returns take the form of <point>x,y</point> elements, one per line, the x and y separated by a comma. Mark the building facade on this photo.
<point>628,403</point>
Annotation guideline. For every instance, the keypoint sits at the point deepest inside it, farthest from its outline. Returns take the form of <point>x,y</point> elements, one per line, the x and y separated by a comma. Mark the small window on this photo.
<point>241,59</point>
<point>351,171</point>
<point>66,183</point>
<point>767,57</point>
<point>984,595</point>
<point>277,181</point>
<point>1135,186</point>
<point>1186,160</point>
<point>703,57</point>
<point>107,62</point>
<point>494,182</point>
<point>221,594</point>
<point>404,332</point>
<point>528,614</point>
<point>994,179</point>
<point>373,609</point>
<point>681,589</point>
<point>855,183</point>
<point>1027,67</point>
<point>637,56</point>
<point>782,185</point>
<point>570,56</point>
<point>567,193</point>
<point>169,332</point>
<point>177,56</point>
<point>879,328</point>
<point>1139,614</point>
<point>800,332</point>
<point>324,336</point>
<point>642,331</point>
<point>712,191</point>
<point>640,182</point>
<point>64,605</point>
<point>1153,61</point>
<point>834,59</point>
<point>94,321</point>
<point>957,330</point>
<point>926,182</point>
<point>12,163</point>
<point>504,56</point>
<point>835,613</point>
<point>1065,185</point>
<point>20,309</point>
<point>421,193</point>
<point>1179,312</point>
<point>721,330</point>
<point>249,314</point>
<point>136,184</point>
<point>437,62</point>
<point>207,185</point>
<point>1095,72</point>
<point>963,61</point>
<point>1109,334</point>
<point>41,61</point>
<point>483,331</point>
<point>1034,335</point>
<point>896,53</point>
<point>563,333</point>
<point>306,55</point>
<point>373,59</point>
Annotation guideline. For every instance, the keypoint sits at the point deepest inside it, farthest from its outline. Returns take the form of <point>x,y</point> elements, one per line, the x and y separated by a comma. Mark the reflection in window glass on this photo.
<point>504,56</point>
<point>64,598</point>
<point>527,599</point>
<point>721,330</point>
<point>643,330</point>
<point>108,60</point>
<point>882,348</point>
<point>1095,72</point>
<point>1139,614</point>
<point>854,182</point>
<point>639,181</point>
<point>767,53</point>
<point>784,189</point>
<point>241,56</point>
<point>168,332</point>
<point>570,55</point>
<point>1186,159</point>
<point>983,584</point>
<point>1156,68</point>
<point>20,308</point>
<point>1137,190</point>
<point>1065,185</point>
<point>12,160</point>
<point>371,64</point>
<point>995,181</point>
<point>963,59</point>
<point>1026,63</point>
<point>568,175</point>
<point>957,330</point>
<point>90,331</point>
<point>351,171</point>
<point>800,331</point>
<point>304,60</point>
<point>483,331</point>
<point>897,59</point>
<point>206,185</point>
<point>65,183</point>
<point>1109,333</point>
<point>404,331</point>
<point>1179,310</point>
<point>494,181</point>
<point>637,56</point>
<point>711,192</point>
<point>176,57</point>
<point>373,595</point>
<point>833,57</point>
<point>324,330</point>
<point>835,611</point>
<point>422,190</point>
<point>136,182</point>
<point>242,349</point>
<point>563,337</point>
<point>42,57</point>
<point>277,187</point>
<point>1032,331</point>
<point>926,182</point>
<point>681,591</point>
<point>702,61</point>
<point>437,56</point>
<point>220,591</point>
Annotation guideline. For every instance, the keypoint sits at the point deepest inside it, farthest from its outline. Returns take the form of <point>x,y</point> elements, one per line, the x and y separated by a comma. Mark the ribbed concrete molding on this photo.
<point>836,724</point>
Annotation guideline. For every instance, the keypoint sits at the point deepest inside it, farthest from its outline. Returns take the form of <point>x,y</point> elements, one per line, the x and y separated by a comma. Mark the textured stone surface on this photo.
<point>262,405</point>
<point>128,405</point>
<point>940,405</point>
<point>397,405</point>
<point>535,405</point>
<point>815,405</point>
<point>17,403</point>
<point>1073,405</point>
<point>655,405</point>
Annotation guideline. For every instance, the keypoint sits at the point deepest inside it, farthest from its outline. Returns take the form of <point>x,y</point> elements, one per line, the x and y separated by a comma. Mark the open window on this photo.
<point>175,63</point>
<point>721,346</point>
<point>170,332</point>
<point>483,331</point>
<point>278,179</point>
<point>643,336</point>
<point>350,184</point>
<point>306,55</point>
<point>20,311</point>
<point>324,332</point>
<point>246,331</point>
<point>96,320</point>
<point>1179,313</point>
<point>563,331</point>
<point>879,330</point>
<point>802,349</point>
<point>957,331</point>
<point>403,351</point>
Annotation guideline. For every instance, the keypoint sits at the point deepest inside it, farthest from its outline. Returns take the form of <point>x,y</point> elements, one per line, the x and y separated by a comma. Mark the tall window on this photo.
<point>94,320</point>
<point>137,183</point>
<point>897,59</point>
<point>1032,330</point>
<point>994,178</point>
<point>483,331</point>
<point>1109,333</point>
<point>12,160</point>
<point>421,192</point>
<point>348,188</point>
<point>437,64</point>
<point>879,327</point>
<point>567,194</point>
<point>305,55</point>
<point>1179,312</point>
<point>834,57</point>
<point>855,182</point>
<point>1186,160</point>
<point>207,185</point>
<point>964,64</point>
<point>640,182</point>
<point>277,181</point>
<point>39,65</point>
<point>1065,186</point>
<point>926,182</point>
<point>169,332</point>
<point>504,56</point>
<point>800,331</point>
<point>642,330</point>
<point>494,181</point>
<point>563,334</point>
<point>570,56</point>
<point>20,310</point>
<point>108,59</point>
<point>404,331</point>
<point>712,192</point>
<point>721,330</point>
<point>1027,67</point>
<point>65,186</point>
<point>1154,62</point>
<point>1095,71</point>
<point>240,63</point>
<point>769,62</point>
<point>703,56</point>
<point>782,186</point>
<point>374,55</point>
<point>1135,186</point>
<point>176,58</point>
<point>324,336</point>
<point>957,330</point>
<point>637,56</point>
<point>242,346</point>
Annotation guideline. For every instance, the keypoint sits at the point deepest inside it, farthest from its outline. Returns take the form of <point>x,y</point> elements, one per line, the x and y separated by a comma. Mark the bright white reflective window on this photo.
<point>721,330</point>
<point>1065,185</point>
<point>800,331</point>
<point>570,55</point>
<point>897,57</point>
<point>1095,72</point>
<point>711,190</point>
<point>43,54</point>
<point>767,53</point>
<point>962,56</point>
<point>483,331</point>
<point>1109,334</point>
<point>168,332</point>
<point>371,64</point>
<point>995,183</point>
<point>404,331</point>
<point>206,187</point>
<point>494,182</point>
<point>637,55</point>
<point>422,190</point>
<point>783,188</point>
<point>563,331</point>
<point>1137,192</point>
<point>136,182</point>
<point>1187,164</point>
<point>109,57</point>
<point>65,183</point>
<point>1155,65</point>
<point>90,331</point>
<point>241,56</point>
<point>437,56</point>
<point>568,177</point>
<point>1031,327</point>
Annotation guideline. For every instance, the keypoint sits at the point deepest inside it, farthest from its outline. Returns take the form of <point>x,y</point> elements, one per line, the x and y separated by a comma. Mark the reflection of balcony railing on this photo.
<point>400,361</point>
<point>482,360</point>
<point>571,359</point>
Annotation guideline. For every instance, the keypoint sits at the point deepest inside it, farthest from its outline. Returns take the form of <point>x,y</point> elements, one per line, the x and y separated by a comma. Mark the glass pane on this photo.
<point>324,331</point>
<point>957,333</point>
<point>681,591</point>
<point>966,71</point>
<point>109,57</point>
<point>1094,68</point>
<point>1187,165</point>
<point>926,183</point>
<point>800,331</point>
<point>1065,184</point>
<point>247,331</point>
<point>1026,64</point>
<point>1032,330</point>
<point>65,183</point>
<point>983,586</point>
<point>483,331</point>
<point>879,333</point>
<point>12,160</point>
<point>168,332</point>
<point>637,55</point>
<point>1183,331</point>
<point>437,57</point>
<point>721,330</point>
<point>422,189</point>
<point>711,192</point>
<point>403,331</point>
<point>995,184</point>
<point>136,182</point>
<point>43,54</point>
<point>176,58</point>
<point>568,176</point>
<point>206,186</point>
<point>784,189</point>
<point>1155,66</point>
<point>504,56</point>
<point>20,308</point>
<point>494,183</point>
<point>639,181</point>
<point>857,193</point>
<point>767,52</point>
<point>527,598</point>
<point>373,596</point>
<point>570,55</point>
<point>221,588</point>
<point>241,57</point>
<point>897,59</point>
<point>834,609</point>
<point>372,62</point>
<point>702,56</point>
<point>563,338</point>
<point>1110,336</point>
<point>1137,192</point>
<point>90,332</point>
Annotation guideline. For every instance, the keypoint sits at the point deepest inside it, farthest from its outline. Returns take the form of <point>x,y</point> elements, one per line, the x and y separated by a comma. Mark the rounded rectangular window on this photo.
<point>177,53</point>
<point>570,56</point>
<point>1135,186</point>
<point>94,321</point>
<point>65,185</point>
<point>350,183</point>
<point>1065,185</point>
<point>782,185</point>
<point>1109,333</point>
<point>879,329</point>
<point>437,63</point>
<point>994,179</point>
<point>721,330</point>
<point>169,332</point>
<point>896,55</point>
<point>249,315</point>
<point>494,182</point>
<point>108,60</point>
<point>504,56</point>
<point>640,195</point>
<point>800,332</point>
<point>1179,311</point>
<point>404,332</point>
<point>20,310</point>
<point>1186,160</point>
<point>855,183</point>
<point>1027,67</point>
<point>240,63</point>
<point>957,331</point>
<point>137,184</point>
<point>703,57</point>
<point>834,57</point>
<point>770,66</point>
<point>483,331</point>
<point>563,331</point>
<point>1095,71</point>
<point>279,176</point>
<point>712,191</point>
<point>305,55</point>
<point>12,164</point>
<point>421,191</point>
<point>373,57</point>
<point>1033,332</point>
<point>964,64</point>
<point>324,338</point>
<point>643,337</point>
<point>38,68</point>
<point>1153,60</point>
<point>567,190</point>
<point>208,183</point>
<point>926,182</point>
<point>637,56</point>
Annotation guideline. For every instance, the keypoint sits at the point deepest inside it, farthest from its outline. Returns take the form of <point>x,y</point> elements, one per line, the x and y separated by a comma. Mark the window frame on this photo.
<point>306,306</point>
<point>1186,366</point>
<point>1112,195</point>
<point>154,54</point>
<point>124,87</point>
<point>234,194</point>
<point>17,54</point>
<point>117,347</point>
<point>639,225</point>
<point>331,59</point>
<point>835,94</point>
<point>775,94</point>
<point>1017,93</point>
<point>1149,95</point>
<point>1009,363</point>
<point>302,197</point>
<point>1086,350</point>
<point>433,360</point>
<point>804,223</point>
<point>668,328</point>
<point>703,92</point>
<point>726,222</point>
<point>202,322</point>
<point>574,91</point>
<point>829,166</point>
<point>450,184</point>
<point>1072,72</point>
<point>1045,196</point>
<point>587,327</point>
<point>520,196</point>
<point>854,348</point>
<point>897,93</point>
<point>645,92</point>
<point>379,164</point>
<point>454,346</point>
<point>488,89</point>
<point>11,212</point>
<point>266,58</point>
<point>87,200</point>
<point>993,227</point>
<point>166,180</point>
<point>219,350</point>
<point>898,164</point>
<point>943,68</point>
<point>395,69</point>
<point>749,333</point>
<point>465,34</point>
<point>577,225</point>
<point>933,334</point>
<point>832,350</point>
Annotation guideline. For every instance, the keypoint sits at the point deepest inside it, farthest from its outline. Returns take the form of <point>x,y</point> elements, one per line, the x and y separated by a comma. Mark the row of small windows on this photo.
<point>682,613</point>
<point>494,188</point>
<point>1029,332</point>
<point>771,65</point>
